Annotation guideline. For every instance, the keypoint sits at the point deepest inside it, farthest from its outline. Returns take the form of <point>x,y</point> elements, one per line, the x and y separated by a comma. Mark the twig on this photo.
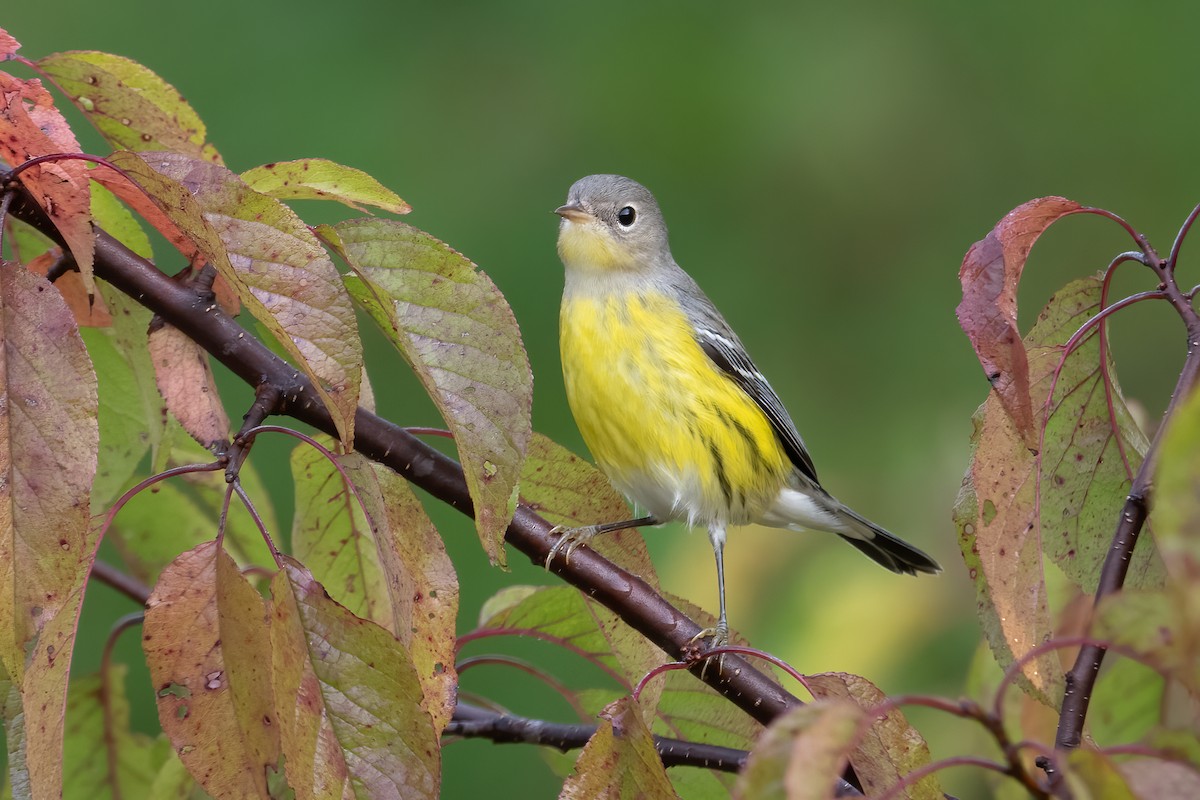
<point>127,585</point>
<point>478,723</point>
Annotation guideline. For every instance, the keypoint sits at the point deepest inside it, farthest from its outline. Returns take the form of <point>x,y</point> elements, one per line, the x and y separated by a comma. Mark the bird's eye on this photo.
<point>626,216</point>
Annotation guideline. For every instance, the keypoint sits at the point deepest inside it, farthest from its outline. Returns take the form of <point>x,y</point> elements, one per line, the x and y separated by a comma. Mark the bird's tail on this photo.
<point>884,548</point>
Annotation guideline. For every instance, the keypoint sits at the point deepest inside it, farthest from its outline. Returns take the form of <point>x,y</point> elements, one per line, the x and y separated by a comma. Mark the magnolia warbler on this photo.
<point>667,399</point>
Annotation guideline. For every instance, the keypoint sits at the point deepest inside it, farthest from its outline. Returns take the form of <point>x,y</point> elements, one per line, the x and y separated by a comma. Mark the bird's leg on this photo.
<point>570,538</point>
<point>718,636</point>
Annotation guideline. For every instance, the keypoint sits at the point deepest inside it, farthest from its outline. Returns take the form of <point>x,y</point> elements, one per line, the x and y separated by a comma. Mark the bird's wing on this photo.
<point>727,353</point>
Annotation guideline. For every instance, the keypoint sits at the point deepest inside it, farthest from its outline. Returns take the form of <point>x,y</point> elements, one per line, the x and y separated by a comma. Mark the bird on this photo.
<point>668,401</point>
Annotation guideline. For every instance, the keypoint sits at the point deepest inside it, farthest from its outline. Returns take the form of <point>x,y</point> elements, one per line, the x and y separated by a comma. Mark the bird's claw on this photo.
<point>568,540</point>
<point>717,637</point>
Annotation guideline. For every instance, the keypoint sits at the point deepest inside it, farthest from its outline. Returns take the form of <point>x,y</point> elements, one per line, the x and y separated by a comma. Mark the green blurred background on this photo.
<point>823,168</point>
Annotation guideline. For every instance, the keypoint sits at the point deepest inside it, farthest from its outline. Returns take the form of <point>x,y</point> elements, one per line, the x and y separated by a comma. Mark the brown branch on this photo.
<point>631,598</point>
<point>471,721</point>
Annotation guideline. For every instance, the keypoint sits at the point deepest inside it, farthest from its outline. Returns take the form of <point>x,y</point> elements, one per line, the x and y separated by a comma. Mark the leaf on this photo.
<point>990,273</point>
<point>620,760</point>
<point>1163,626</point>
<point>98,737</point>
<point>454,328</point>
<point>1092,776</point>
<point>388,565</point>
<point>421,582</point>
<point>138,535</point>
<point>132,107</point>
<point>48,443</point>
<point>1158,777</point>
<point>284,278</point>
<point>31,126</point>
<point>320,179</point>
<point>243,540</point>
<point>8,45</point>
<point>567,490</point>
<point>187,385</point>
<point>1004,529</point>
<point>801,753</point>
<point>227,739</point>
<point>357,727</point>
<point>1083,474</point>
<point>563,615</point>
<point>22,242</point>
<point>1176,513</point>
<point>133,417</point>
<point>890,749</point>
<point>267,255</point>
<point>123,426</point>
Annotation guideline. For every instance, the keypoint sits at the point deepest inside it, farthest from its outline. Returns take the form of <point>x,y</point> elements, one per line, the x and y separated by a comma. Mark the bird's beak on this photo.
<point>574,212</point>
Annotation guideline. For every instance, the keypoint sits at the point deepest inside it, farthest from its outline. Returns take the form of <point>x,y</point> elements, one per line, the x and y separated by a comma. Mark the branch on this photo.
<point>631,598</point>
<point>471,721</point>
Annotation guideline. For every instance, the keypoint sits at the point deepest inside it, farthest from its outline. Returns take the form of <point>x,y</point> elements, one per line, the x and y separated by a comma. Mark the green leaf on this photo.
<point>320,179</point>
<point>131,106</point>
<point>227,738</point>
<point>620,760</point>
<point>137,532</point>
<point>563,615</point>
<point>454,328</point>
<point>1127,702</point>
<point>1092,776</point>
<point>357,728</point>
<point>98,737</point>
<point>1176,514</point>
<point>1083,476</point>
<point>267,255</point>
<point>48,443</point>
<point>567,490</point>
<point>801,754</point>
<point>388,565</point>
<point>124,439</point>
<point>890,749</point>
<point>1163,626</point>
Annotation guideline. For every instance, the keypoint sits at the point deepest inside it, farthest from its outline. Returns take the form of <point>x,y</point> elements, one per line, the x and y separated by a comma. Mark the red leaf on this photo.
<point>990,273</point>
<point>31,126</point>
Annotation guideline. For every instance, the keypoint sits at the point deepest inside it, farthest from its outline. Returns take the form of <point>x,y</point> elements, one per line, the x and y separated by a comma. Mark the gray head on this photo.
<point>611,223</point>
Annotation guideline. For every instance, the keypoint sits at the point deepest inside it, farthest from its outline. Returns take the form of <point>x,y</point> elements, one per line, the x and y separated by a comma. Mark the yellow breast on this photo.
<point>672,432</point>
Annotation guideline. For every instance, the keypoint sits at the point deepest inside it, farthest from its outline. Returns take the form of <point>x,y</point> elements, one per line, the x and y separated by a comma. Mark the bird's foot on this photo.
<point>717,637</point>
<point>568,540</point>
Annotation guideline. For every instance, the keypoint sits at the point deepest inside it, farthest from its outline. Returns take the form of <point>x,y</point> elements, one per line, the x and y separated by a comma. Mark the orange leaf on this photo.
<point>990,273</point>
<point>31,126</point>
